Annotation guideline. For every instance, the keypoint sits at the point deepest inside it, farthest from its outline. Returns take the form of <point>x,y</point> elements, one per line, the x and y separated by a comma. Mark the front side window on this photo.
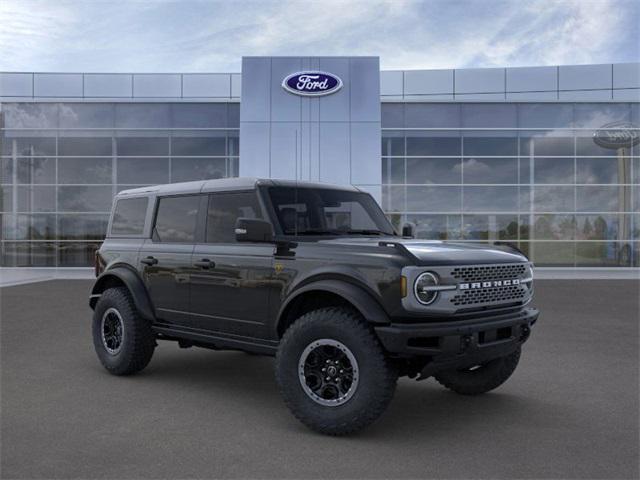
<point>223,212</point>
<point>318,211</point>
<point>176,219</point>
<point>129,215</point>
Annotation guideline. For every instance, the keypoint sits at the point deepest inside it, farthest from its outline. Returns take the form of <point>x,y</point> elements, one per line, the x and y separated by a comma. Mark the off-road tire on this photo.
<point>481,380</point>
<point>377,375</point>
<point>138,342</point>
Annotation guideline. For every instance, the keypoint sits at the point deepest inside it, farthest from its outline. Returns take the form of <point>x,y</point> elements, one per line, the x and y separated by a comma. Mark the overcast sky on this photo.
<point>212,36</point>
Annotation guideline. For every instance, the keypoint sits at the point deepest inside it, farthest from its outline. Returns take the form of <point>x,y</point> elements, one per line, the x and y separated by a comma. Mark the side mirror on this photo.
<point>407,230</point>
<point>253,230</point>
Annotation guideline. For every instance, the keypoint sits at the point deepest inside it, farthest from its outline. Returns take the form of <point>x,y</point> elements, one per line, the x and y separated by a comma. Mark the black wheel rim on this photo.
<point>112,330</point>
<point>328,372</point>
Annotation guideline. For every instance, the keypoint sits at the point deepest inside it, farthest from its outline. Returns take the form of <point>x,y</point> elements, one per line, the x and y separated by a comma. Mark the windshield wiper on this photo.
<point>368,232</point>
<point>318,232</point>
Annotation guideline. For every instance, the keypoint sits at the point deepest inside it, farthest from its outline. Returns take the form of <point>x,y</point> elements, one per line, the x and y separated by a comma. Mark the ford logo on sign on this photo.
<point>617,135</point>
<point>312,83</point>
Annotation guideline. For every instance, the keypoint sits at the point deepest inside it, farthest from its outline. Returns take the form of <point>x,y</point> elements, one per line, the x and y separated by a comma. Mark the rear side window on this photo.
<point>129,215</point>
<point>176,219</point>
<point>224,210</point>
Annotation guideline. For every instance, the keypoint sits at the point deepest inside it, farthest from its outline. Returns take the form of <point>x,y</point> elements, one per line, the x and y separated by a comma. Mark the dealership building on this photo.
<point>546,158</point>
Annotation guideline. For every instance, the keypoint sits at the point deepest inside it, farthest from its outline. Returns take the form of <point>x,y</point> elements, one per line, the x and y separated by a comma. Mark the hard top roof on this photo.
<point>225,184</point>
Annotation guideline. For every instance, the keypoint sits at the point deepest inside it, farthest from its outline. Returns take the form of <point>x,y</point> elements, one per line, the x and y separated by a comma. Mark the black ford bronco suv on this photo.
<point>315,275</point>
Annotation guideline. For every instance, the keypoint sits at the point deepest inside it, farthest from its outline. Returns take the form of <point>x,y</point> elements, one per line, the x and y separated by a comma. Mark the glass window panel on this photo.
<point>82,226</point>
<point>142,115</point>
<point>34,198</point>
<point>598,199</point>
<point>84,170</point>
<point>233,144</point>
<point>6,199</point>
<point>223,212</point>
<point>393,144</point>
<point>423,145</point>
<point>234,167</point>
<point>597,115</point>
<point>602,170</point>
<point>526,165</point>
<point>72,254</point>
<point>554,227</point>
<point>29,146</point>
<point>431,115</point>
<point>137,171</point>
<point>30,115</point>
<point>490,146</point>
<point>553,170</point>
<point>233,115</point>
<point>142,146</point>
<point>25,254</point>
<point>434,170</point>
<point>36,170</point>
<point>129,216</point>
<point>198,146</point>
<point>397,221</point>
<point>176,219</point>
<point>554,199</point>
<point>490,170</point>
<point>186,169</point>
<point>603,227</point>
<point>86,115</point>
<point>200,115</point>
<point>394,199</point>
<point>490,227</point>
<point>393,170</point>
<point>587,147</point>
<point>635,178</point>
<point>546,146</point>
<point>84,199</point>
<point>84,146</point>
<point>392,115</point>
<point>525,227</point>
<point>545,115</point>
<point>6,170</point>
<point>436,227</point>
<point>489,115</point>
<point>635,231</point>
<point>490,199</point>
<point>603,254</point>
<point>553,254</point>
<point>433,199</point>
<point>29,227</point>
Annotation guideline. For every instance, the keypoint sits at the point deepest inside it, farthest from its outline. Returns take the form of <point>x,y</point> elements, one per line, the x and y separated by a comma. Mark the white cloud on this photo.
<point>194,35</point>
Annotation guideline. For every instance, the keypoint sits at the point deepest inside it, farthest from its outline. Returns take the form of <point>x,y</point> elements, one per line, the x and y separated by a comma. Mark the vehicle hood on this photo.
<point>434,252</point>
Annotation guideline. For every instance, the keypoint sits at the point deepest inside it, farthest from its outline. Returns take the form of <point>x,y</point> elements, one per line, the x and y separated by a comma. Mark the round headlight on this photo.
<point>422,289</point>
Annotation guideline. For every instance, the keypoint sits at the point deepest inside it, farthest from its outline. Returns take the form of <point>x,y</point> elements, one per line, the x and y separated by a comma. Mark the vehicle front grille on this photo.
<point>482,273</point>
<point>511,293</point>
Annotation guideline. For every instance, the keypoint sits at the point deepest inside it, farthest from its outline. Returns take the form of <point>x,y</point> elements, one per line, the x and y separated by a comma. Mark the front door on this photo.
<point>230,288</point>
<point>166,257</point>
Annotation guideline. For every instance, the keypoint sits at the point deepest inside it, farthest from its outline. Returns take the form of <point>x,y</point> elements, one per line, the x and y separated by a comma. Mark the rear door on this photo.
<point>230,289</point>
<point>166,257</point>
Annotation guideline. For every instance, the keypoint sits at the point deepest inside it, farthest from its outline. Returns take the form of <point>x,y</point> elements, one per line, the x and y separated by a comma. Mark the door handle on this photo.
<point>149,261</point>
<point>204,263</point>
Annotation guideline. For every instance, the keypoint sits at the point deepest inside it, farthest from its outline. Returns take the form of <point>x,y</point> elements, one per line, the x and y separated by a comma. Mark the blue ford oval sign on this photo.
<point>312,83</point>
<point>617,135</point>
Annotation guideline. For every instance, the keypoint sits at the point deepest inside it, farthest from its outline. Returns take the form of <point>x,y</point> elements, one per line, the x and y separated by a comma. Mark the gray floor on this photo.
<point>570,411</point>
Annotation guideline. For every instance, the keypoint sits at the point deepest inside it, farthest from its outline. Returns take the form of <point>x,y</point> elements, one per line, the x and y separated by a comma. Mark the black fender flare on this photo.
<point>363,301</point>
<point>133,282</point>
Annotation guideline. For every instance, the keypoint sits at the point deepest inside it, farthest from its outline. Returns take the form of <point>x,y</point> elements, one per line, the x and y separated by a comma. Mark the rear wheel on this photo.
<point>333,373</point>
<point>480,378</point>
<point>123,340</point>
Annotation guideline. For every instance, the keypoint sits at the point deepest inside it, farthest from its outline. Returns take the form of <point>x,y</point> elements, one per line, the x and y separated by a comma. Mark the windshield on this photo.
<point>319,211</point>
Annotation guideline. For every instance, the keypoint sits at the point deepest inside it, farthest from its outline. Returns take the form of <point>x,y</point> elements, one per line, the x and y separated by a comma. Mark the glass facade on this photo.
<point>62,163</point>
<point>526,173</point>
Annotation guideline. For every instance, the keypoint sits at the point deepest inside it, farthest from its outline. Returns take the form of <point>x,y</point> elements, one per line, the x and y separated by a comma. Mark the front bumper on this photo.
<point>459,344</point>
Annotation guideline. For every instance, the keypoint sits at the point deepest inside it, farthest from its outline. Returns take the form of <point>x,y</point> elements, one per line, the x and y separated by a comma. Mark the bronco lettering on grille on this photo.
<point>494,283</point>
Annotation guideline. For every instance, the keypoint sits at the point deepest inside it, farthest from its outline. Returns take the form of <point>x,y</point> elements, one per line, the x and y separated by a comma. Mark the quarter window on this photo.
<point>128,218</point>
<point>176,219</point>
<point>223,212</point>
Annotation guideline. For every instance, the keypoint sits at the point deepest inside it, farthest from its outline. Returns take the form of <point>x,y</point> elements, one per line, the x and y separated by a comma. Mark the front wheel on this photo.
<point>333,373</point>
<point>480,378</point>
